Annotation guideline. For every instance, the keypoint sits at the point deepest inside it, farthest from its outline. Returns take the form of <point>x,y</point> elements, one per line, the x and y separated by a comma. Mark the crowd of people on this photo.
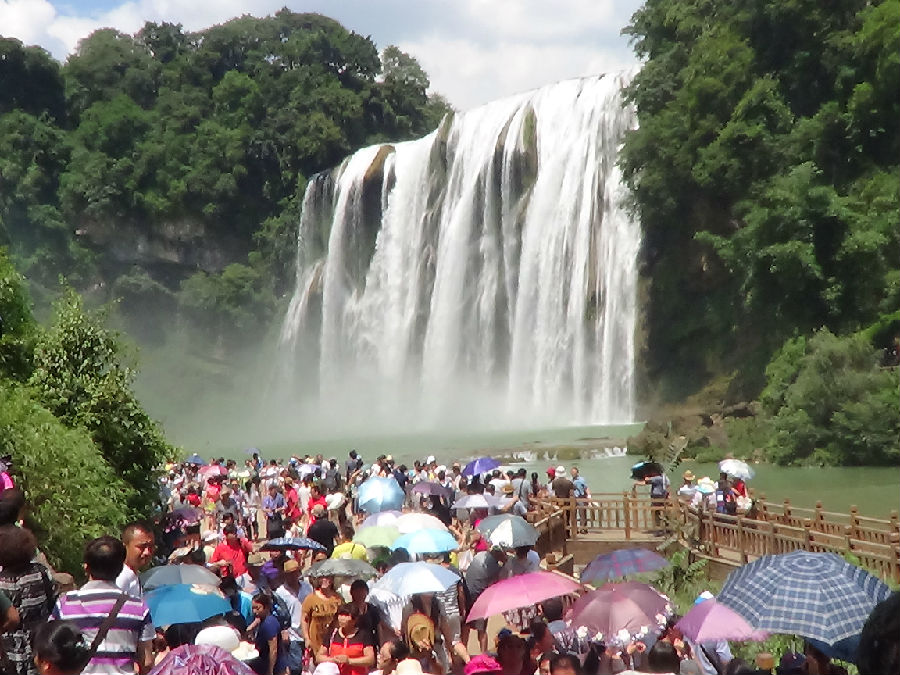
<point>285,618</point>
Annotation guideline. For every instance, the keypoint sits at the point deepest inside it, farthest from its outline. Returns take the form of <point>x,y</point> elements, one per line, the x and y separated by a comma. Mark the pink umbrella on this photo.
<point>614,610</point>
<point>521,591</point>
<point>710,620</point>
<point>213,470</point>
<point>200,660</point>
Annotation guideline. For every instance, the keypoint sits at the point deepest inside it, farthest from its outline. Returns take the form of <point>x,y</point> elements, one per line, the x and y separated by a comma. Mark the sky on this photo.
<point>474,51</point>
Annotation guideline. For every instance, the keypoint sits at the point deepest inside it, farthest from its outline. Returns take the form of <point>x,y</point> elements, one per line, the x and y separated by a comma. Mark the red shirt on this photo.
<point>235,556</point>
<point>293,501</point>
<point>319,500</point>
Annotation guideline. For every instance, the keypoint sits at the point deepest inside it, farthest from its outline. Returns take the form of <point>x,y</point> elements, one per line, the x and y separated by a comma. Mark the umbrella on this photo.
<point>200,660</point>
<point>380,519</point>
<point>342,567</point>
<point>427,541</point>
<point>475,502</point>
<point>349,550</point>
<point>170,575</point>
<point>371,537</point>
<point>508,530</point>
<point>710,620</point>
<point>736,468</point>
<point>185,603</point>
<point>412,522</point>
<point>380,494</point>
<point>621,563</point>
<point>213,470</point>
<point>845,649</point>
<point>479,466</point>
<point>816,595</point>
<point>187,515</point>
<point>643,469</point>
<point>406,579</point>
<point>195,459</point>
<point>621,612</point>
<point>706,485</point>
<point>251,451</point>
<point>307,469</point>
<point>432,488</point>
<point>292,544</point>
<point>523,590</point>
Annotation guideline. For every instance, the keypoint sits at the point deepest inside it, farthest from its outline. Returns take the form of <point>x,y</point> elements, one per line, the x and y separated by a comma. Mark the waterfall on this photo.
<point>484,275</point>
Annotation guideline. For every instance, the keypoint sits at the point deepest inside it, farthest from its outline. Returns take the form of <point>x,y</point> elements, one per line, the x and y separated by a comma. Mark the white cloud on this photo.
<point>473,50</point>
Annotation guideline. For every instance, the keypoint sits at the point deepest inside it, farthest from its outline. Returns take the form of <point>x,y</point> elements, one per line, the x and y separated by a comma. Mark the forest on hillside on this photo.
<point>166,168</point>
<point>765,174</point>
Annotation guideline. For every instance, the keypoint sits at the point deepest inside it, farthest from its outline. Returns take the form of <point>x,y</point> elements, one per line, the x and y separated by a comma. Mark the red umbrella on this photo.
<point>613,610</point>
<point>521,591</point>
<point>200,660</point>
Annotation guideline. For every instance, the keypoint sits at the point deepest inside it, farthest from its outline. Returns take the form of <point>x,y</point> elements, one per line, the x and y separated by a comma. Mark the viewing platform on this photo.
<point>577,530</point>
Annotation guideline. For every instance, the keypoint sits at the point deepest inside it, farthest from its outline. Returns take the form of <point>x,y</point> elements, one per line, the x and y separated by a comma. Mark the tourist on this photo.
<point>563,488</point>
<point>349,646</point>
<point>273,506</point>
<point>30,590</point>
<point>391,653</point>
<point>139,547</point>
<point>369,615</point>
<point>129,638</point>
<point>687,489</point>
<point>319,610</point>
<point>482,664</point>
<point>818,663</point>
<point>60,648</point>
<point>322,530</point>
<point>566,638</point>
<point>580,485</point>
<point>230,556</point>
<point>272,659</point>
<point>427,632</point>
<point>523,489</point>
<point>879,643</point>
<point>483,571</point>
<point>540,641</point>
<point>511,652</point>
<point>292,592</point>
<point>565,664</point>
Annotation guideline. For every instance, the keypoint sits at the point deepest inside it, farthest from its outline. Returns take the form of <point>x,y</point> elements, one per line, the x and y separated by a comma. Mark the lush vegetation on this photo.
<point>82,447</point>
<point>148,158</point>
<point>765,175</point>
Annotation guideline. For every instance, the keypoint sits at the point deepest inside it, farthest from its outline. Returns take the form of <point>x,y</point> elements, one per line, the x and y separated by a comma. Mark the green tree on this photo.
<point>80,376</point>
<point>30,81</point>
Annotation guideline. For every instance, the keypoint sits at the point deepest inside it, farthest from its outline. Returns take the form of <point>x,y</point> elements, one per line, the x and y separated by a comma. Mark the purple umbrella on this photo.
<point>200,660</point>
<point>710,620</point>
<point>621,563</point>
<point>480,465</point>
<point>615,609</point>
<point>432,488</point>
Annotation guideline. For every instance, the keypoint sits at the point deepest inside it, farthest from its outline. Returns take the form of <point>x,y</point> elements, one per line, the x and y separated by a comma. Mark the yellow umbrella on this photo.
<point>349,550</point>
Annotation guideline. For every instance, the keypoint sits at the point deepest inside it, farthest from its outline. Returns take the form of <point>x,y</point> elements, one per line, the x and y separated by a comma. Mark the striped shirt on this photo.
<point>88,607</point>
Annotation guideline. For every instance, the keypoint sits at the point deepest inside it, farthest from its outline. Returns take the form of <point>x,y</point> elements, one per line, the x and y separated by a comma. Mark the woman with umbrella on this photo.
<point>272,659</point>
<point>350,647</point>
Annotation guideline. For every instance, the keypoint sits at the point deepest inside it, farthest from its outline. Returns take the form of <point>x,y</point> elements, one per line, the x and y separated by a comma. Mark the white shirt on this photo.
<point>295,605</point>
<point>128,582</point>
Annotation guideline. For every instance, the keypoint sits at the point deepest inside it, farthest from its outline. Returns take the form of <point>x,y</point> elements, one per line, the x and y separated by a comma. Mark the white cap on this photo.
<point>560,469</point>
<point>225,637</point>
<point>430,459</point>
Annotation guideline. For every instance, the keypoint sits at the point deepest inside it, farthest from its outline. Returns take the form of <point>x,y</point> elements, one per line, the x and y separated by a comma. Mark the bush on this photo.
<point>831,403</point>
<point>73,494</point>
<point>16,323</point>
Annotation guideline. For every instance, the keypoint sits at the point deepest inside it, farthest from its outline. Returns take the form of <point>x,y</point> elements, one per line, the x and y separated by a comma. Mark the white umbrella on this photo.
<point>736,468</point>
<point>406,579</point>
<point>475,502</point>
<point>381,519</point>
<point>412,522</point>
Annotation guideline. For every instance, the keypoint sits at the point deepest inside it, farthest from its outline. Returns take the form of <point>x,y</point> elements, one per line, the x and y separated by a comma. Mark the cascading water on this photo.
<point>483,275</point>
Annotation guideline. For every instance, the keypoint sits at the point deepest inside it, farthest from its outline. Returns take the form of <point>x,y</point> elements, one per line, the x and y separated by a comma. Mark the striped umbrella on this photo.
<point>816,595</point>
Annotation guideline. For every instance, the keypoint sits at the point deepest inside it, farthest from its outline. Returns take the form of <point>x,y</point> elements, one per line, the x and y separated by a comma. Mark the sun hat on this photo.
<point>291,566</point>
<point>688,475</point>
<point>508,489</point>
<point>409,667</point>
<point>482,663</point>
<point>706,485</point>
<point>227,638</point>
<point>560,469</point>
<point>327,668</point>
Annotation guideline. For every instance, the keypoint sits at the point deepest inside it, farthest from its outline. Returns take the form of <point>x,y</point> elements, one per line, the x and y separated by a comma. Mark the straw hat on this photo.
<point>409,667</point>
<point>291,566</point>
<point>689,475</point>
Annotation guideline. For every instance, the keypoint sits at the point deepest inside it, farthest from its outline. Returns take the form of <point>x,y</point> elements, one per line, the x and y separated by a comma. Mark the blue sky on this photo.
<point>473,50</point>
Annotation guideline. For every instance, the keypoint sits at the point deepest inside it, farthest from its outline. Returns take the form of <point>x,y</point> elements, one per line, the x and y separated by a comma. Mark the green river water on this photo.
<point>875,490</point>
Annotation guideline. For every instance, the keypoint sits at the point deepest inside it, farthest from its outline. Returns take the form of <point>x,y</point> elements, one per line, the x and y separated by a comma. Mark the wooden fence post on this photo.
<point>786,512</point>
<point>854,521</point>
<point>807,534</point>
<point>626,502</point>
<point>819,521</point>
<point>742,545</point>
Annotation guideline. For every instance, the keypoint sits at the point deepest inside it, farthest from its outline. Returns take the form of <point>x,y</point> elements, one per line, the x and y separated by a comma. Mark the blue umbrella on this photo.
<point>405,579</point>
<point>816,595</point>
<point>380,494</point>
<point>479,466</point>
<point>196,459</point>
<point>845,649</point>
<point>427,541</point>
<point>292,544</point>
<point>185,603</point>
<point>250,451</point>
<point>621,563</point>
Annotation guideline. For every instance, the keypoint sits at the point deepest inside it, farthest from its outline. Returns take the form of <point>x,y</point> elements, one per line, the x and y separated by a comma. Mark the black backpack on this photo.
<point>281,612</point>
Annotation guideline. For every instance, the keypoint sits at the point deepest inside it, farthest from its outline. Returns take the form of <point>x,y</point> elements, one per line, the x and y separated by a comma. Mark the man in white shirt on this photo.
<point>293,592</point>
<point>139,547</point>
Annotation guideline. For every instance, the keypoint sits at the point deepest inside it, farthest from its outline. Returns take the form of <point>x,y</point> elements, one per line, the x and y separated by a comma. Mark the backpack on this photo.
<point>281,612</point>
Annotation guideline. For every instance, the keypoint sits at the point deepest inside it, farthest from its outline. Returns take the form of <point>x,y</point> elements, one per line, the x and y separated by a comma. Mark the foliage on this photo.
<point>683,580</point>
<point>79,375</point>
<point>17,326</point>
<point>764,172</point>
<point>831,403</point>
<point>73,494</point>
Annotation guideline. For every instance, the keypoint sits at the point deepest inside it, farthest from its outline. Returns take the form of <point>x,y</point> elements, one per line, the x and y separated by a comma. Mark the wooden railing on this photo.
<point>767,528</point>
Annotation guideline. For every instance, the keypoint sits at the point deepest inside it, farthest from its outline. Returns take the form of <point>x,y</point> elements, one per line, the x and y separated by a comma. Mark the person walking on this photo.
<point>139,544</point>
